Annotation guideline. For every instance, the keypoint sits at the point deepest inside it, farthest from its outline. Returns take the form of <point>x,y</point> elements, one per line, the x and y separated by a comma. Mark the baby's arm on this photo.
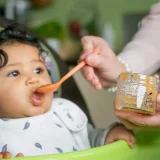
<point>97,136</point>
<point>121,132</point>
<point>116,131</point>
<point>9,155</point>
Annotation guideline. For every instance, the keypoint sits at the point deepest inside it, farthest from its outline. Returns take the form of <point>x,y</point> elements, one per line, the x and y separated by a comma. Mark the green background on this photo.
<point>111,11</point>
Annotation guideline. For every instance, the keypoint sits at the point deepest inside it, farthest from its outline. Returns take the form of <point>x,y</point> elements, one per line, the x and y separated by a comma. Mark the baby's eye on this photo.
<point>38,70</point>
<point>14,74</point>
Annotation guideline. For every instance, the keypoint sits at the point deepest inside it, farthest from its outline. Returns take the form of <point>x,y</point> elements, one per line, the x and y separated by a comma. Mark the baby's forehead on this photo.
<point>18,45</point>
<point>21,50</point>
<point>13,42</point>
<point>42,54</point>
<point>9,42</point>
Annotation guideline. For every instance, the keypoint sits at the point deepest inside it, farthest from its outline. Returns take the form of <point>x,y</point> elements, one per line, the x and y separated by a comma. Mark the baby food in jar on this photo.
<point>137,92</point>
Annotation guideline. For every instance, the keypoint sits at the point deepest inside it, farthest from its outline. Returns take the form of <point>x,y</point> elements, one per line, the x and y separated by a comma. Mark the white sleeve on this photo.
<point>143,52</point>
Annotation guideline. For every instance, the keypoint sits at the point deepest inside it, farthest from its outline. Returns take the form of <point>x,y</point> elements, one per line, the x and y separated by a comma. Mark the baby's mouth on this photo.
<point>37,98</point>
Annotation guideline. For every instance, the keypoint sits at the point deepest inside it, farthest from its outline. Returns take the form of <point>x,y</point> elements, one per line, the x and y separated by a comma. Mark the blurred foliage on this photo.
<point>52,29</point>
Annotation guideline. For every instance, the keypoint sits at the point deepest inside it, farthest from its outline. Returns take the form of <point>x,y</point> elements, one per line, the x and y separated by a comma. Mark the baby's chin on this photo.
<point>33,111</point>
<point>30,111</point>
<point>36,111</point>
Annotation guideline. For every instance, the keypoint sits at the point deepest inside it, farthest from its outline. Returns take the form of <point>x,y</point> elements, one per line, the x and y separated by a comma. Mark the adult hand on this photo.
<point>102,70</point>
<point>133,120</point>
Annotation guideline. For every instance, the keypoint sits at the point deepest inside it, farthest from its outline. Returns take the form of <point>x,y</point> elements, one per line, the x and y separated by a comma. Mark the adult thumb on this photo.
<point>87,44</point>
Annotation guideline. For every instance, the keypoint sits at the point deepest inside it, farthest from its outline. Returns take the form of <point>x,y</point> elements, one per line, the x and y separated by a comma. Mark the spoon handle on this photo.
<point>76,68</point>
<point>72,71</point>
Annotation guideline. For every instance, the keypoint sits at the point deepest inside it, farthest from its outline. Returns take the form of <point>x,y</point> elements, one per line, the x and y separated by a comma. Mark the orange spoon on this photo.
<point>53,87</point>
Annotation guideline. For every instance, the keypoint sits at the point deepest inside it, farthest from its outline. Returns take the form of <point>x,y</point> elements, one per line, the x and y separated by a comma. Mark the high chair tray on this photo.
<point>147,148</point>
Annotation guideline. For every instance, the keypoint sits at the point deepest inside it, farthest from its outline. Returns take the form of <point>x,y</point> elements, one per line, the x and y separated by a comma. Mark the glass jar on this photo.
<point>137,92</point>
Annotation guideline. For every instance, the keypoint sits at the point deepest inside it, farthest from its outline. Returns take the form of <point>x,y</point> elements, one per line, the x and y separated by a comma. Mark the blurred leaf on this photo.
<point>52,29</point>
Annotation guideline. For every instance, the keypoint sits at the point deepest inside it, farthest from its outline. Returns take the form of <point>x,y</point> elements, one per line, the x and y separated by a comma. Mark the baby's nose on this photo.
<point>32,80</point>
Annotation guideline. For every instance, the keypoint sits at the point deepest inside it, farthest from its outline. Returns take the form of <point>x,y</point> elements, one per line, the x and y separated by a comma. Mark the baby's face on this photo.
<point>23,74</point>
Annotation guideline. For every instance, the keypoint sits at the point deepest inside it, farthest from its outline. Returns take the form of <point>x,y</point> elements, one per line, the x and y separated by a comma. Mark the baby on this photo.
<point>33,123</point>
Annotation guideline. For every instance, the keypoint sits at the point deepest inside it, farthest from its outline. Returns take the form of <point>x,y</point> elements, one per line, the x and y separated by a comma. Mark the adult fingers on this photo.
<point>138,119</point>
<point>89,75</point>
<point>129,125</point>
<point>158,100</point>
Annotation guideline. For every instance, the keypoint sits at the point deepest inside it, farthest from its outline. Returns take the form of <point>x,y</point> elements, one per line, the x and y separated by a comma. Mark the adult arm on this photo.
<point>143,52</point>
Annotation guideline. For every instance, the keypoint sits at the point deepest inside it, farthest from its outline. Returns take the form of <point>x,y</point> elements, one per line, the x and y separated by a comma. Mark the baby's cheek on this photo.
<point>49,99</point>
<point>47,77</point>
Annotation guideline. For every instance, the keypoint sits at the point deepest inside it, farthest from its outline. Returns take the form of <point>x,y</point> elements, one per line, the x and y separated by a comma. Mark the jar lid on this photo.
<point>127,77</point>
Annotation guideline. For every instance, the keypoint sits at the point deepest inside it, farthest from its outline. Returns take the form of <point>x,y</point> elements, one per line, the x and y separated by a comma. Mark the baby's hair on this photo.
<point>13,33</point>
<point>3,58</point>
